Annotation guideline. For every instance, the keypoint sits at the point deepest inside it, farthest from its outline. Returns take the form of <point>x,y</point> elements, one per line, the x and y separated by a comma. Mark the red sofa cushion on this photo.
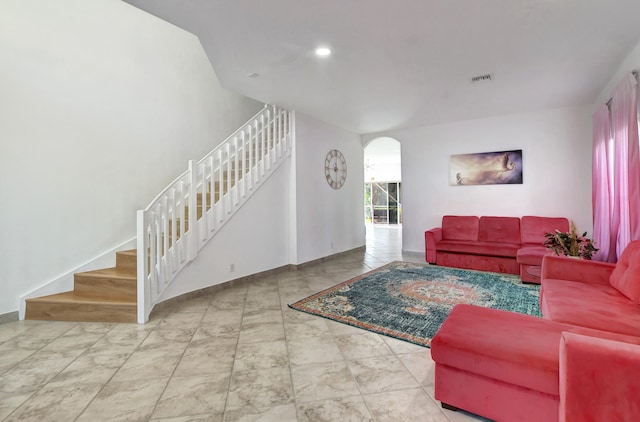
<point>499,229</point>
<point>456,227</point>
<point>479,248</point>
<point>597,306</point>
<point>533,229</point>
<point>626,275</point>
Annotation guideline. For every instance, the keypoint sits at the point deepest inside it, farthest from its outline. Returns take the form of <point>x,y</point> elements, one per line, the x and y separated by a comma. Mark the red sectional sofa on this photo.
<point>509,245</point>
<point>512,367</point>
<point>581,362</point>
<point>594,294</point>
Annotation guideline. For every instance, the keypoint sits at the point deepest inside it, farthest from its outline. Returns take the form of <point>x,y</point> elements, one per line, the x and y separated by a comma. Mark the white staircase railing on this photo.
<point>191,210</point>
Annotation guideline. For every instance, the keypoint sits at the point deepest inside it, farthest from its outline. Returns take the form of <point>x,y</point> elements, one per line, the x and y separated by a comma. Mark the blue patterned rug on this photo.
<point>410,301</point>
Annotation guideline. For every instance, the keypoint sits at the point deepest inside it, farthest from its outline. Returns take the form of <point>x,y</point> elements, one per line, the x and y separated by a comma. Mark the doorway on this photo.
<point>383,182</point>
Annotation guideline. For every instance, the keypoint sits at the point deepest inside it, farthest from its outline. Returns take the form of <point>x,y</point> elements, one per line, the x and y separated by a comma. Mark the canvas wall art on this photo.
<point>486,168</point>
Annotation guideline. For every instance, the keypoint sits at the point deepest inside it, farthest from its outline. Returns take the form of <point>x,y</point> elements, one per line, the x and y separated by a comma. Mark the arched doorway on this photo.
<point>383,182</point>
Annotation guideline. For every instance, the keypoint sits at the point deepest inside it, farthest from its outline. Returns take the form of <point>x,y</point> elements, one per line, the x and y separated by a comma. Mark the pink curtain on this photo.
<point>624,122</point>
<point>602,182</point>
<point>616,185</point>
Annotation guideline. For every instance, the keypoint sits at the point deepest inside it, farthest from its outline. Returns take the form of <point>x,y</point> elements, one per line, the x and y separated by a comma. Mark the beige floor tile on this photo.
<point>89,370</point>
<point>73,344</point>
<point>222,317</point>
<point>10,356</point>
<point>363,345</point>
<point>125,338</point>
<point>263,300</point>
<point>31,374</point>
<point>9,402</point>
<point>213,417</point>
<point>264,355</point>
<point>318,349</point>
<point>12,329</point>
<point>339,328</point>
<point>125,400</point>
<point>277,413</point>
<point>350,409</point>
<point>402,406</point>
<point>291,280</point>
<point>228,300</point>
<point>57,403</point>
<point>158,362</point>
<point>260,316</point>
<point>207,358</point>
<point>381,374</point>
<point>420,365</point>
<point>196,395</point>
<point>322,381</point>
<point>261,388</point>
<point>261,331</point>
<point>299,325</point>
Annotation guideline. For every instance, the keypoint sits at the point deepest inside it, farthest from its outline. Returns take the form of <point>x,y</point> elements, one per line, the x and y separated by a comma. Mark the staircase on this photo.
<point>107,295</point>
<point>207,194</point>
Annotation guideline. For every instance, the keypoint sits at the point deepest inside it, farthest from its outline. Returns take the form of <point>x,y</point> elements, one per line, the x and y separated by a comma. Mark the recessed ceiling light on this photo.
<point>323,51</point>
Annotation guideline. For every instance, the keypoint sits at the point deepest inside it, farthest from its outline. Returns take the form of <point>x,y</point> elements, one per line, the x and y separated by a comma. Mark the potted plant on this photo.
<point>570,244</point>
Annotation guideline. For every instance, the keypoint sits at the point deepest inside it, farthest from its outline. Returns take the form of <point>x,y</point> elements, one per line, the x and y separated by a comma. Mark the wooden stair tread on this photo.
<point>71,298</point>
<point>113,273</point>
<point>68,306</point>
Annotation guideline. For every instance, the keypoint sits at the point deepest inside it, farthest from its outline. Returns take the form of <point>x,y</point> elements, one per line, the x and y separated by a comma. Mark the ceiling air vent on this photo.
<point>482,78</point>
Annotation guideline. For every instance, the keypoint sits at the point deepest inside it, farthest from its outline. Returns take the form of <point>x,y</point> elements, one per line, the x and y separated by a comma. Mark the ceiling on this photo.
<point>409,63</point>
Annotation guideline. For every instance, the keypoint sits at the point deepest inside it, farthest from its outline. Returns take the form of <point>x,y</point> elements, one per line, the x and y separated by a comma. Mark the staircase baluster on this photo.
<point>193,205</point>
<point>211,189</point>
<point>165,245</point>
<point>262,146</point>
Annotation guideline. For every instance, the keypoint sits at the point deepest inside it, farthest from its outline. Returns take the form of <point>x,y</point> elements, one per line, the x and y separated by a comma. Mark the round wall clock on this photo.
<point>335,169</point>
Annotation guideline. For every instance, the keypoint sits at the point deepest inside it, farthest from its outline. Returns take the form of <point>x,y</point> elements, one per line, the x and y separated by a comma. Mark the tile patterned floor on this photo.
<point>239,354</point>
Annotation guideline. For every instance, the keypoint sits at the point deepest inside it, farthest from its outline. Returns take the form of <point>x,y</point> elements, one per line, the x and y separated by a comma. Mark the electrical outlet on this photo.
<point>232,268</point>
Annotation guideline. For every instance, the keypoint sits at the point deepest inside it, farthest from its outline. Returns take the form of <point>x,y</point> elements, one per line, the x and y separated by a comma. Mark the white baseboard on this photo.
<point>64,282</point>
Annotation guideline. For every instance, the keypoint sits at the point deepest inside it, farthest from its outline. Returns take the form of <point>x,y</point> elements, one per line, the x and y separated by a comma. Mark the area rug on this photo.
<point>410,301</point>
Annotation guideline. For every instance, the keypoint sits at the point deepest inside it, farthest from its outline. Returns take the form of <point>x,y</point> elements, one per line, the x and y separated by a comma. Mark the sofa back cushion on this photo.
<point>626,275</point>
<point>499,229</point>
<point>455,227</point>
<point>532,228</point>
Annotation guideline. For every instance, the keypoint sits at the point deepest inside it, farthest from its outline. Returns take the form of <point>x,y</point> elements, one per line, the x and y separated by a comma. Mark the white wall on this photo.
<point>255,239</point>
<point>101,106</point>
<point>556,149</point>
<point>329,220</point>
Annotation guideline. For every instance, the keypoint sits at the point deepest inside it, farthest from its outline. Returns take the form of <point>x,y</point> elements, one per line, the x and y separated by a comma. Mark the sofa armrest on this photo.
<point>564,268</point>
<point>598,379</point>
<point>431,237</point>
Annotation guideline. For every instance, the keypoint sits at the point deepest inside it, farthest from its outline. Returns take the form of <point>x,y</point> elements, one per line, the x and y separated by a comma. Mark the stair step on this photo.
<point>107,284</point>
<point>127,260</point>
<point>71,307</point>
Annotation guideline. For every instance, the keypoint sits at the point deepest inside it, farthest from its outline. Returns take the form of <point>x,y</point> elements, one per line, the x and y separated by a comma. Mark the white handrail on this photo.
<point>193,208</point>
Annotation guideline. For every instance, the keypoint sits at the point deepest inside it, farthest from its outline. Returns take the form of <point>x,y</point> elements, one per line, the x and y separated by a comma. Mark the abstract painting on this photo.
<point>486,168</point>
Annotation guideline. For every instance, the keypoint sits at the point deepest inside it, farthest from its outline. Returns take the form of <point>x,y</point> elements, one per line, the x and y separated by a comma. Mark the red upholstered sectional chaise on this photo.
<point>509,245</point>
<point>581,362</point>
